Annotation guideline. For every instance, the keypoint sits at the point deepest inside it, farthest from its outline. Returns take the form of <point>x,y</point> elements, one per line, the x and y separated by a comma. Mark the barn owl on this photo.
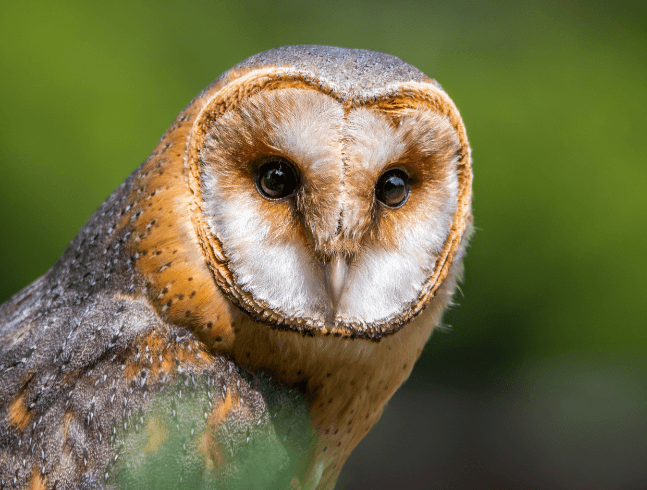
<point>239,311</point>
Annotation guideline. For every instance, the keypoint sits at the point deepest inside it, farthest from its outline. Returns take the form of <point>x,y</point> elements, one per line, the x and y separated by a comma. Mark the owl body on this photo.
<point>240,310</point>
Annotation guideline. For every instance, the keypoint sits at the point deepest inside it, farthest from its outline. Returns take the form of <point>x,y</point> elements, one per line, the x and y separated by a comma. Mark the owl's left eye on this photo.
<point>276,179</point>
<point>392,188</point>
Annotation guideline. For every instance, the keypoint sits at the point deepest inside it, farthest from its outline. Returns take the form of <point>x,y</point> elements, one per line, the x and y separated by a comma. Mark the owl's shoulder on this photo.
<point>111,394</point>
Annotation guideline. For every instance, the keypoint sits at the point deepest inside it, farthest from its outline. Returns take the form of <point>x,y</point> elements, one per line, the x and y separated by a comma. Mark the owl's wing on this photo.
<point>115,397</point>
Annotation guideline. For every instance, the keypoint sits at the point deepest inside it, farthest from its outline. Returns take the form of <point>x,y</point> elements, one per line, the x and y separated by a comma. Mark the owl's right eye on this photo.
<point>276,179</point>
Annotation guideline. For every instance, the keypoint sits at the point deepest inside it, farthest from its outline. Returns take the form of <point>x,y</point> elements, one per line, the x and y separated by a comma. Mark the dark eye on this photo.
<point>392,188</point>
<point>276,179</point>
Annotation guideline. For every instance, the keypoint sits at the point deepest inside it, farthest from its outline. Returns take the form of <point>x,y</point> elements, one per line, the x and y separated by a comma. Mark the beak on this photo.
<point>335,271</point>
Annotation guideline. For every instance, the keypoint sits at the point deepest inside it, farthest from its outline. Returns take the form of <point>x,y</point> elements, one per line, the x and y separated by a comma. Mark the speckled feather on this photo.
<point>87,364</point>
<point>138,360</point>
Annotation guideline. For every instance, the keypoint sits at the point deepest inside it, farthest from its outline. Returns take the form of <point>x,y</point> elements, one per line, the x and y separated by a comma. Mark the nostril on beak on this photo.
<point>336,271</point>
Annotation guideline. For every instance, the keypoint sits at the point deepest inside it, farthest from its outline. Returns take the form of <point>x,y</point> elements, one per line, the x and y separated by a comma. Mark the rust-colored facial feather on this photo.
<point>298,125</point>
<point>421,142</point>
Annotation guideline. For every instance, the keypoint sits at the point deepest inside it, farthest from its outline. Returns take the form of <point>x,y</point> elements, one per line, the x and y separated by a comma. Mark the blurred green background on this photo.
<point>541,380</point>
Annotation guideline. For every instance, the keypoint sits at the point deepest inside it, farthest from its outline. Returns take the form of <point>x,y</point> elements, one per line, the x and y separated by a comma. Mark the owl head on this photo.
<point>333,188</point>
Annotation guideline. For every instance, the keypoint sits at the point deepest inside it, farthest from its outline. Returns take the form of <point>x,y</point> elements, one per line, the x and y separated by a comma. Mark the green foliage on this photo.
<point>177,444</point>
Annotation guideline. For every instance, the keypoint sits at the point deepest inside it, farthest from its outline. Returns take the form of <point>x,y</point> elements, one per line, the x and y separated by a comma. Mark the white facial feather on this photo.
<point>385,280</point>
<point>262,261</point>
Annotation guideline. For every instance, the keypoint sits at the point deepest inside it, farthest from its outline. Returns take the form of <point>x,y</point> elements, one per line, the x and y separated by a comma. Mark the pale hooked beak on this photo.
<point>335,271</point>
